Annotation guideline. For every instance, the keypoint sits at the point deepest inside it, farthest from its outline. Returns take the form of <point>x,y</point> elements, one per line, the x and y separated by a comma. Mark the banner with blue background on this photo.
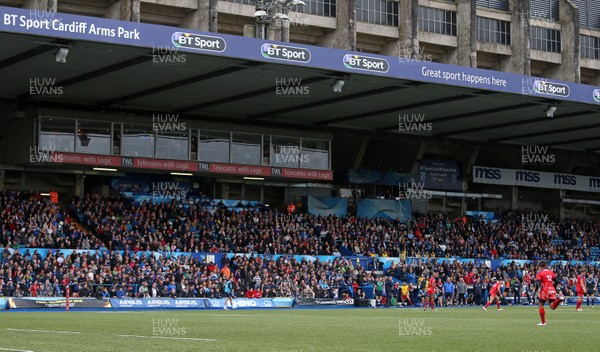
<point>384,208</point>
<point>327,206</point>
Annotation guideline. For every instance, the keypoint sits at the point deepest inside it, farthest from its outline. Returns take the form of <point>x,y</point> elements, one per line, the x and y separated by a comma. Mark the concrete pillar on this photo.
<point>135,11</point>
<point>79,185</point>
<point>285,27</point>
<point>407,45</point>
<point>361,152</point>
<point>249,31</point>
<point>514,198</point>
<point>466,33</point>
<point>519,62</point>
<point>42,5</point>
<point>418,157</point>
<point>204,18</point>
<point>569,70</point>
<point>124,10</point>
<point>344,36</point>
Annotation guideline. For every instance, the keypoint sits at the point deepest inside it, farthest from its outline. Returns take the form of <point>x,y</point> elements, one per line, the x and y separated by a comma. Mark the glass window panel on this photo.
<point>137,140</point>
<point>246,148</point>
<point>214,146</point>
<point>315,154</point>
<point>93,137</point>
<point>173,145</point>
<point>57,134</point>
<point>285,151</point>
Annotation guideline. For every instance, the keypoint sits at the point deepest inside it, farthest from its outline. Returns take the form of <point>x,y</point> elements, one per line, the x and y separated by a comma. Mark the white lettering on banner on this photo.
<point>46,21</point>
<point>538,179</point>
<point>129,302</point>
<point>244,303</point>
<point>185,303</point>
<point>461,76</point>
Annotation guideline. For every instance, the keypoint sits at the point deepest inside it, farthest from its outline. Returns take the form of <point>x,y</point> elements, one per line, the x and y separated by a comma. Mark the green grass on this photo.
<point>470,329</point>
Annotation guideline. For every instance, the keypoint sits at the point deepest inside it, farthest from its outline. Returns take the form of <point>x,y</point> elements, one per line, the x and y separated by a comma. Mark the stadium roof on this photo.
<point>103,76</point>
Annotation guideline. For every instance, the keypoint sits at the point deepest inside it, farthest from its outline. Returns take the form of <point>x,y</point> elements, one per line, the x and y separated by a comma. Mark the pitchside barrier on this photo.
<point>189,303</point>
<point>55,302</point>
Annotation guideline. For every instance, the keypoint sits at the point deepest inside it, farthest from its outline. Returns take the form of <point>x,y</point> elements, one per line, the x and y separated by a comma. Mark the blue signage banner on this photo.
<point>327,206</point>
<point>484,215</point>
<point>374,177</point>
<point>384,208</point>
<point>75,27</point>
<point>439,174</point>
<point>158,303</point>
<point>241,303</point>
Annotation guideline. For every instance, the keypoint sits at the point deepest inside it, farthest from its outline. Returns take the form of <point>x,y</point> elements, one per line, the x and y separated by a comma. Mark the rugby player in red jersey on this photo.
<point>580,288</point>
<point>494,295</point>
<point>546,278</point>
<point>432,284</point>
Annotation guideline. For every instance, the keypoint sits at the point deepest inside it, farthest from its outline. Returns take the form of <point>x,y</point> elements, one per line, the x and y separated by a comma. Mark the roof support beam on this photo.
<point>392,109</point>
<point>329,101</point>
<point>545,133</point>
<point>238,97</point>
<point>181,83</point>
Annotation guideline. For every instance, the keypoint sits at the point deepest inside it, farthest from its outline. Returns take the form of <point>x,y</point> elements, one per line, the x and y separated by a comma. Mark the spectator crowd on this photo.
<point>94,222</point>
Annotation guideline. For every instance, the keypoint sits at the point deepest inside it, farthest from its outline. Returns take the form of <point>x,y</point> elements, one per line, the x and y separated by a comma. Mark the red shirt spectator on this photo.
<point>470,278</point>
<point>291,208</point>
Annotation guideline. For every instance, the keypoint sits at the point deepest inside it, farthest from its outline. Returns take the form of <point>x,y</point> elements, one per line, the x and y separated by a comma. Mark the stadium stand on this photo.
<point>32,221</point>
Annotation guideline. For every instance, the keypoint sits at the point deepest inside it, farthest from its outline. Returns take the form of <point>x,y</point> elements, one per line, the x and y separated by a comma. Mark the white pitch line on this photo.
<point>49,331</point>
<point>12,349</point>
<point>235,315</point>
<point>168,338</point>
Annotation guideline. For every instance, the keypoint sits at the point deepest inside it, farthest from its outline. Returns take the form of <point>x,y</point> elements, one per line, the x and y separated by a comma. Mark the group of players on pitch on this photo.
<point>546,282</point>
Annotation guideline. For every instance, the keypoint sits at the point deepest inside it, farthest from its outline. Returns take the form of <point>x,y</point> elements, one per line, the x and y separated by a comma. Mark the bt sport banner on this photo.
<point>83,28</point>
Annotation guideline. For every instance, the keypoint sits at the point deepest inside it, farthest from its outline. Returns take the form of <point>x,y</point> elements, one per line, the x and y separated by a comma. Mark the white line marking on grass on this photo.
<point>168,338</point>
<point>49,331</point>
<point>236,315</point>
<point>12,349</point>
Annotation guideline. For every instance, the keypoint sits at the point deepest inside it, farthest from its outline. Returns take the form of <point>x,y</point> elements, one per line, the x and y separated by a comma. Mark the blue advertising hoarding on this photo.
<point>158,303</point>
<point>240,303</point>
<point>75,27</point>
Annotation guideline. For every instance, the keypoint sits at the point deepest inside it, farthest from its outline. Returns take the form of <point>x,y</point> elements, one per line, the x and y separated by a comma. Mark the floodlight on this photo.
<point>338,85</point>
<point>550,111</point>
<point>260,13</point>
<point>61,55</point>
